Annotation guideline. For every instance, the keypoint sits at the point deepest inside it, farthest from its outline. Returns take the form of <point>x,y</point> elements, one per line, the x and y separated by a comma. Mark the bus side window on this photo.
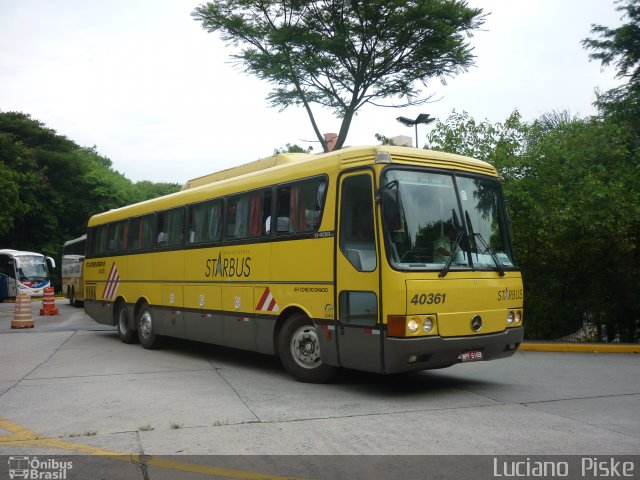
<point>358,308</point>
<point>134,234</point>
<point>195,224</point>
<point>318,205</point>
<point>98,241</point>
<point>299,206</point>
<point>214,221</point>
<point>170,228</point>
<point>7,266</point>
<point>161,228</point>
<point>117,236</point>
<point>141,233</point>
<point>205,222</point>
<point>245,214</point>
<point>147,232</point>
<point>282,223</point>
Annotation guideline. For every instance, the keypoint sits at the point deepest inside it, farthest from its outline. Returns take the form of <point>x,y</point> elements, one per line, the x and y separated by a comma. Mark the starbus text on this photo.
<point>228,267</point>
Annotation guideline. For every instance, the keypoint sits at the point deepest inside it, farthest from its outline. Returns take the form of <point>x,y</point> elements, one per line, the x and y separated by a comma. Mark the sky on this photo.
<point>143,82</point>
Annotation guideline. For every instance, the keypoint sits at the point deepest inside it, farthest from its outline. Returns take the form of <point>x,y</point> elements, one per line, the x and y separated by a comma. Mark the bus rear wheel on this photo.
<point>73,301</point>
<point>146,329</point>
<point>125,332</point>
<point>299,350</point>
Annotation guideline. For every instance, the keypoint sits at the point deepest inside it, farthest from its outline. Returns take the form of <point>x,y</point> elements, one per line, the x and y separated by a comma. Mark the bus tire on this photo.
<point>125,332</point>
<point>146,329</point>
<point>73,301</point>
<point>299,350</point>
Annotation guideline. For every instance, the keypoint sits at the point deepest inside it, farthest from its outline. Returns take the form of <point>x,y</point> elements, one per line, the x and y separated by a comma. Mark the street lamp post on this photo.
<point>422,118</point>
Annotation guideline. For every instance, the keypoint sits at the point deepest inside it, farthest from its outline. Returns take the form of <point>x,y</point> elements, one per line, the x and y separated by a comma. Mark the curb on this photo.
<point>580,347</point>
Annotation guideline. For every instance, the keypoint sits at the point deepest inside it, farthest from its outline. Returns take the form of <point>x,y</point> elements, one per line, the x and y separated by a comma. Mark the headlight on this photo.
<point>413,325</point>
<point>427,325</point>
<point>510,318</point>
<point>518,319</point>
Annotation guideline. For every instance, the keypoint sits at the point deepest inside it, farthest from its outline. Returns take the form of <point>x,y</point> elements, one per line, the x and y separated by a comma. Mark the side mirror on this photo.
<point>52,262</point>
<point>391,209</point>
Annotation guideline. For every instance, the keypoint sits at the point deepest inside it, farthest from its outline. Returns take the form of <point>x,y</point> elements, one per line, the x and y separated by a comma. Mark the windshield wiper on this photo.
<point>454,247</point>
<point>486,247</point>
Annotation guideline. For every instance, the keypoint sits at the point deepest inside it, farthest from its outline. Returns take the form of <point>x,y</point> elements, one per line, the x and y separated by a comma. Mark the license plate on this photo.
<point>472,356</point>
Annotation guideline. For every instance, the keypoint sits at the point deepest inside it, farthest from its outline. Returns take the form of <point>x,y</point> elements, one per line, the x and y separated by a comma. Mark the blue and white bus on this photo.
<point>24,272</point>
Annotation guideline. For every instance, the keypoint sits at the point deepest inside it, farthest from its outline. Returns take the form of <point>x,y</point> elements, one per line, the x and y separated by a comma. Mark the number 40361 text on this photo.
<point>429,298</point>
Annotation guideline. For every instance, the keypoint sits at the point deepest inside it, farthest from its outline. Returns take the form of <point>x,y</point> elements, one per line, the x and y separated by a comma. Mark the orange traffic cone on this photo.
<point>48,303</point>
<point>22,317</point>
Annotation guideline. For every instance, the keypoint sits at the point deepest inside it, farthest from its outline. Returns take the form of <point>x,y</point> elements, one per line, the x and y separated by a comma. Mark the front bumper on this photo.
<point>407,354</point>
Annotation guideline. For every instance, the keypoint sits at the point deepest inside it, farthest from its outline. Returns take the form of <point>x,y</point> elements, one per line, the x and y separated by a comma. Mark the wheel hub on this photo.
<point>145,325</point>
<point>305,347</point>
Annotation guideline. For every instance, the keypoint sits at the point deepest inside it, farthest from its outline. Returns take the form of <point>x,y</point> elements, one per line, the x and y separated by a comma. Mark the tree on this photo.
<point>291,148</point>
<point>344,55</point>
<point>620,47</point>
<point>494,143</point>
<point>146,190</point>
<point>571,185</point>
<point>384,140</point>
<point>621,105</point>
<point>51,186</point>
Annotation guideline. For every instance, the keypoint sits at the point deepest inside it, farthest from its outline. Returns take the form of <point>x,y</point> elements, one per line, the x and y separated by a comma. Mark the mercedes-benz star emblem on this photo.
<point>476,323</point>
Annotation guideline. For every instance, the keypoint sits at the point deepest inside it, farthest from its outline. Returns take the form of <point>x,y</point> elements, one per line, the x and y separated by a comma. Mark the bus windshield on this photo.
<point>443,219</point>
<point>32,268</point>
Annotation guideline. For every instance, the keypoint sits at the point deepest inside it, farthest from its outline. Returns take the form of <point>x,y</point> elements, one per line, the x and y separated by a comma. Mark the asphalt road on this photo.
<point>70,387</point>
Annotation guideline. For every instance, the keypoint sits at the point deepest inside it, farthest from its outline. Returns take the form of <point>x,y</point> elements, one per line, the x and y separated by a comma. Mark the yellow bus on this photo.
<point>73,254</point>
<point>382,259</point>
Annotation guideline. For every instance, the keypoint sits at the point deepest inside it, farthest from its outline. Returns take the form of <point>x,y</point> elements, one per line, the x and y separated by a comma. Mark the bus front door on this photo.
<point>357,275</point>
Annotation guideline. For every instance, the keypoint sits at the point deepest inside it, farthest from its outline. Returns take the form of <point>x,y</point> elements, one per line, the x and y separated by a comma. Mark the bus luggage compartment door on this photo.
<point>238,320</point>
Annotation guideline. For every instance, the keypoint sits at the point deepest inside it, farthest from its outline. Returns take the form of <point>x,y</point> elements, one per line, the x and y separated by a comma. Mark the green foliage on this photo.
<point>493,143</point>
<point>343,55</point>
<point>582,201</point>
<point>620,47</point>
<point>146,190</point>
<point>574,198</point>
<point>51,186</point>
<point>384,140</point>
<point>291,148</point>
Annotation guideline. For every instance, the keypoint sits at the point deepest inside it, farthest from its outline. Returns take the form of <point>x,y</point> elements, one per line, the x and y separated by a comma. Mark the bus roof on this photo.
<point>261,164</point>
<point>19,253</point>
<point>81,238</point>
<point>288,166</point>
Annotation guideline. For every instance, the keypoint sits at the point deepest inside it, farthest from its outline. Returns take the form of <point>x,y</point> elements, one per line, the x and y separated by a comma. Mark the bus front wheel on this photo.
<point>146,329</point>
<point>299,350</point>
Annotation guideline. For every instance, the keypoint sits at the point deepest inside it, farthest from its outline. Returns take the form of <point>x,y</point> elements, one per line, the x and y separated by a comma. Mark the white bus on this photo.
<point>24,272</point>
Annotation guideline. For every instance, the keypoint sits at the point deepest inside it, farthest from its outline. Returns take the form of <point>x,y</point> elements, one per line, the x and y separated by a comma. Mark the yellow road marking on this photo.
<point>23,437</point>
<point>581,347</point>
